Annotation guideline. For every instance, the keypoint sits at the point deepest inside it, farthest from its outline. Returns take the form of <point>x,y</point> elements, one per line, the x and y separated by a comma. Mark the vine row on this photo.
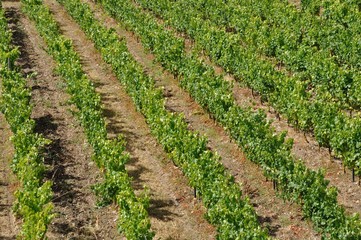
<point>309,110</point>
<point>250,130</point>
<point>34,195</point>
<point>278,30</point>
<point>226,208</point>
<point>108,154</point>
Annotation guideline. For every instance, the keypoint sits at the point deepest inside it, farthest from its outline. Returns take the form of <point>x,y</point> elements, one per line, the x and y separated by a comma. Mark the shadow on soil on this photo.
<point>158,211</point>
<point>135,173</point>
<point>266,223</point>
<point>7,238</point>
<point>116,127</point>
<point>4,209</point>
<point>45,125</point>
<point>4,184</point>
<point>57,160</point>
<point>158,207</point>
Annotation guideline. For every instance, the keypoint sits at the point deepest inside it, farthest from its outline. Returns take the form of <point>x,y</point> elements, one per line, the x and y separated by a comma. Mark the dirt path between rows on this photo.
<point>8,182</point>
<point>305,146</point>
<point>282,219</point>
<point>68,156</point>
<point>174,213</point>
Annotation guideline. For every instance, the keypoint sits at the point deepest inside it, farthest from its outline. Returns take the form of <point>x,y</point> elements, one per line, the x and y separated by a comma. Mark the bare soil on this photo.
<point>8,183</point>
<point>174,213</point>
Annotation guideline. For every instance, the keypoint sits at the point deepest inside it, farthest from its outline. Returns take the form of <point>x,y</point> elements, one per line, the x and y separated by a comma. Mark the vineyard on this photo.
<point>189,119</point>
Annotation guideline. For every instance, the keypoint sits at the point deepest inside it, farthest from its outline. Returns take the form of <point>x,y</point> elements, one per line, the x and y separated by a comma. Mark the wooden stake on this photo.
<point>353,175</point>
<point>274,184</point>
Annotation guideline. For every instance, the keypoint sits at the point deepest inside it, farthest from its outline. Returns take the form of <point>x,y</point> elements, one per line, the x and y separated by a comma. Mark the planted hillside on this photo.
<point>227,209</point>
<point>250,130</point>
<point>306,99</point>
